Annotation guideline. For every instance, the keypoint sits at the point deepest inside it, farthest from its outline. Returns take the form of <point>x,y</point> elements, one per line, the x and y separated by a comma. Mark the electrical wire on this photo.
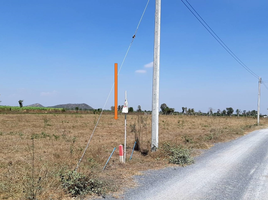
<point>265,85</point>
<point>133,37</point>
<point>217,38</point>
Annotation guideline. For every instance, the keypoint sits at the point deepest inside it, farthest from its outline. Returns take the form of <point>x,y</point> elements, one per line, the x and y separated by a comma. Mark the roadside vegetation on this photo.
<point>39,152</point>
<point>27,108</point>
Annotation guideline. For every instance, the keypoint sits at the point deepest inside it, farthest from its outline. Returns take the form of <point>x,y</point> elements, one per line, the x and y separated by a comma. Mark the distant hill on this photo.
<point>35,105</point>
<point>71,106</point>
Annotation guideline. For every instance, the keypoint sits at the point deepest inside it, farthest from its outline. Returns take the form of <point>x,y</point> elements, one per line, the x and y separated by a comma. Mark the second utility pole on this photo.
<point>259,101</point>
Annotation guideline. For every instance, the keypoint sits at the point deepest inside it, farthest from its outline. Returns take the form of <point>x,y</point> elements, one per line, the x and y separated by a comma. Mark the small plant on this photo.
<point>42,135</point>
<point>74,139</point>
<point>77,184</point>
<point>92,163</point>
<point>31,187</point>
<point>46,122</point>
<point>187,139</point>
<point>20,134</point>
<point>56,137</point>
<point>209,136</point>
<point>133,128</point>
<point>71,149</point>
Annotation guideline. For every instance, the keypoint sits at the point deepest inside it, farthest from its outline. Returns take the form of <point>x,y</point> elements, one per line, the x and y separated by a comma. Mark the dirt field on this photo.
<point>59,140</point>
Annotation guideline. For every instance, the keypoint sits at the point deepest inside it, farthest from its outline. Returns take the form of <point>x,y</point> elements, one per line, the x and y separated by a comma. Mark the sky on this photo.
<point>57,52</point>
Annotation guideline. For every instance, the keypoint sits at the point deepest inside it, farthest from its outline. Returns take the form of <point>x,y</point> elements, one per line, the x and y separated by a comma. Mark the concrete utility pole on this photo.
<point>155,108</point>
<point>259,101</point>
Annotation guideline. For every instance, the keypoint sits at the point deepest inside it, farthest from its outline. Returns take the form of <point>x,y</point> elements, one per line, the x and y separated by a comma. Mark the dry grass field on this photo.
<point>36,149</point>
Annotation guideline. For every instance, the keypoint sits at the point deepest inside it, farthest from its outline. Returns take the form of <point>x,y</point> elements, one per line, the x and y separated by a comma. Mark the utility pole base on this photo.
<point>153,149</point>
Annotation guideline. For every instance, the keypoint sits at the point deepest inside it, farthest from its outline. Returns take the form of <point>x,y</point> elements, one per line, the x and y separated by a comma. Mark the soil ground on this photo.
<point>60,138</point>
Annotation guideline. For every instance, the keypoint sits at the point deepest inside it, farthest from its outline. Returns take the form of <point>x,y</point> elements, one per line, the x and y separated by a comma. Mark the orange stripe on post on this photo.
<point>115,90</point>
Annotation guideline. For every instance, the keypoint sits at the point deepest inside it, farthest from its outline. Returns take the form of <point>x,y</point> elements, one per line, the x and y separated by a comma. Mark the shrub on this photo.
<point>178,154</point>
<point>78,184</point>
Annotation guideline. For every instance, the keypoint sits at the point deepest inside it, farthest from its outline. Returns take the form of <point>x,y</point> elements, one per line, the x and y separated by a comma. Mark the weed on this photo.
<point>71,149</point>
<point>180,123</point>
<point>77,184</point>
<point>92,163</point>
<point>56,137</point>
<point>74,139</point>
<point>42,135</point>
<point>31,187</point>
<point>187,139</point>
<point>209,136</point>
<point>12,133</point>
<point>46,122</point>
<point>20,134</point>
<point>133,128</point>
<point>178,154</point>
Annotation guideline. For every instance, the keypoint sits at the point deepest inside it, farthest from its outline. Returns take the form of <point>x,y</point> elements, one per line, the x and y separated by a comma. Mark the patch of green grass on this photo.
<point>41,135</point>
<point>17,108</point>
<point>56,137</point>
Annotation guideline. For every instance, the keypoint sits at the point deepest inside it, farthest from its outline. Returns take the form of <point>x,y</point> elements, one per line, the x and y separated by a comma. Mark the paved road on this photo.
<point>233,170</point>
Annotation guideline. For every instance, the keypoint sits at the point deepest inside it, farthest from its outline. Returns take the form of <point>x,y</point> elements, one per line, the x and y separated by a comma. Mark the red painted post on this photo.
<point>121,154</point>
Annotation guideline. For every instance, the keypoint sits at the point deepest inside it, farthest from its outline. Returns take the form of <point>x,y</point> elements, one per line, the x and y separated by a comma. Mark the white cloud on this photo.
<point>149,65</point>
<point>140,71</point>
<point>46,94</point>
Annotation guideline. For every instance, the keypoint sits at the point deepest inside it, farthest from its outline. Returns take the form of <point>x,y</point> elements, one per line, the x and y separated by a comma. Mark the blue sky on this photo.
<point>55,52</point>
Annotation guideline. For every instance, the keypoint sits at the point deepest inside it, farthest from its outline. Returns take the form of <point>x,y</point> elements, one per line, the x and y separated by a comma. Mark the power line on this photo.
<point>217,38</point>
<point>265,85</point>
<point>133,37</point>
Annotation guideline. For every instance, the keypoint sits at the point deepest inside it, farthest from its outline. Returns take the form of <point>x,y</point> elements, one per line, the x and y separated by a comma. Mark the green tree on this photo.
<point>163,108</point>
<point>166,110</point>
<point>253,113</point>
<point>20,103</point>
<point>139,108</point>
<point>130,109</point>
<point>120,108</point>
<point>230,111</point>
<point>223,112</point>
<point>170,111</point>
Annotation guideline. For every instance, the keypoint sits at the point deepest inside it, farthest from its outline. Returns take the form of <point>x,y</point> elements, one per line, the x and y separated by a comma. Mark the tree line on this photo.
<point>165,110</point>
